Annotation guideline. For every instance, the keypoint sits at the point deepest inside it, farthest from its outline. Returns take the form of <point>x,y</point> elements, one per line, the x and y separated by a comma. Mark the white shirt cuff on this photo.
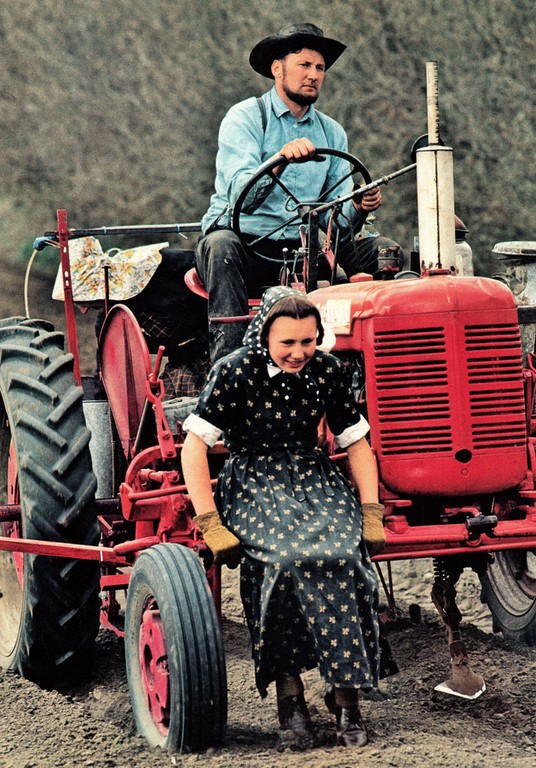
<point>206,431</point>
<point>352,434</point>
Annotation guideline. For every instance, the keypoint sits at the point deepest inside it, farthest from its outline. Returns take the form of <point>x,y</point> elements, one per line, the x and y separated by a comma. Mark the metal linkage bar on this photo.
<point>135,229</point>
<point>357,193</point>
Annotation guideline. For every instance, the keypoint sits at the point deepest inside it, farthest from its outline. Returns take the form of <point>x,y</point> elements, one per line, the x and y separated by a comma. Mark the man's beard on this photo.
<point>303,99</point>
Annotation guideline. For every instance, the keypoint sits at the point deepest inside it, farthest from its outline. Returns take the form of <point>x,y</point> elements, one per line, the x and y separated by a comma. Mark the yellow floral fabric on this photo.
<point>129,271</point>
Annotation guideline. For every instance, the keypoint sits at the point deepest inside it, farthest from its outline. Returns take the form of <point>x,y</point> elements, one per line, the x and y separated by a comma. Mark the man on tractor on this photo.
<point>281,124</point>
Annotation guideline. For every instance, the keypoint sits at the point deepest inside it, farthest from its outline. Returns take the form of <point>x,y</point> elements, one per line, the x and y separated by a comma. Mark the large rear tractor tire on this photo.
<point>509,589</point>
<point>174,652</point>
<point>49,606</point>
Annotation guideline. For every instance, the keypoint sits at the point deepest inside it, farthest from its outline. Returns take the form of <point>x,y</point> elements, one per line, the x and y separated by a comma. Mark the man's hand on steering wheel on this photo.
<point>297,151</point>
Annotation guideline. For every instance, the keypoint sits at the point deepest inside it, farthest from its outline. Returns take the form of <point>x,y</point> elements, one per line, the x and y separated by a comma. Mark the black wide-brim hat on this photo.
<point>293,38</point>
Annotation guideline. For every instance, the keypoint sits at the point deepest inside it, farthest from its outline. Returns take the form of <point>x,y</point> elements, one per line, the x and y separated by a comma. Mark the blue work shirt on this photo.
<point>243,145</point>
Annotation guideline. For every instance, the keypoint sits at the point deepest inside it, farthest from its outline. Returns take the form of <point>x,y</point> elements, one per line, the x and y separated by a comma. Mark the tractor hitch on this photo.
<point>481,525</point>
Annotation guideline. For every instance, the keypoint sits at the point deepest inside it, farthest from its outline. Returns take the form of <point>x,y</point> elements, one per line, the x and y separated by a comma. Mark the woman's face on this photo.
<point>292,343</point>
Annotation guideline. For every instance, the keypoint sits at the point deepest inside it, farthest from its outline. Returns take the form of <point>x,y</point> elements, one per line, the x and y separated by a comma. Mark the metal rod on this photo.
<point>106,289</point>
<point>432,100</point>
<point>61,549</point>
<point>163,229</point>
<point>10,513</point>
<point>135,229</point>
<point>457,533</point>
<point>311,276</point>
<point>449,550</point>
<point>357,193</point>
<point>68,299</point>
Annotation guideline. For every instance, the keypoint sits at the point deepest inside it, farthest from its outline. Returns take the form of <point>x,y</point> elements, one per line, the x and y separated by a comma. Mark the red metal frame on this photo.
<point>415,542</point>
<point>373,318</point>
<point>70,319</point>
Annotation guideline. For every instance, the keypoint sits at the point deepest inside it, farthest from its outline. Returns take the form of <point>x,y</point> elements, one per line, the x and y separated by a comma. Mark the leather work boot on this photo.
<point>351,730</point>
<point>294,715</point>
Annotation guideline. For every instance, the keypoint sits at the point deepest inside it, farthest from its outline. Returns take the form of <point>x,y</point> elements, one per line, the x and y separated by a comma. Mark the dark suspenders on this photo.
<point>262,109</point>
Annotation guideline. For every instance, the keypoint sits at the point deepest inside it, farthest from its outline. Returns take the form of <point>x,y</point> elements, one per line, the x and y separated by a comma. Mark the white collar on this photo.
<point>273,370</point>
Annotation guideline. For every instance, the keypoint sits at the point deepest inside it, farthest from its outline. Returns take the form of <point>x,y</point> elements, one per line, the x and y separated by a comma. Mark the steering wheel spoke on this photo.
<point>272,232</point>
<point>285,189</point>
<point>325,195</point>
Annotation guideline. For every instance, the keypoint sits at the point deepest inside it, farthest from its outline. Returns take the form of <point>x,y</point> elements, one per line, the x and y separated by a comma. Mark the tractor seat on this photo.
<point>196,285</point>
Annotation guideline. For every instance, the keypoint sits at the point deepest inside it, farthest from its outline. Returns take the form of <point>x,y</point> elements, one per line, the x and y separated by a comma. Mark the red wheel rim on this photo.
<point>154,667</point>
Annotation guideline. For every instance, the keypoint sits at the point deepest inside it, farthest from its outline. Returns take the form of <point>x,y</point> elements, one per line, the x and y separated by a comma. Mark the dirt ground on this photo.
<point>411,726</point>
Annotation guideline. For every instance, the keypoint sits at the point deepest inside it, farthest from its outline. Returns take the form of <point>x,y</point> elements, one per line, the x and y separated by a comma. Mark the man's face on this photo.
<point>300,75</point>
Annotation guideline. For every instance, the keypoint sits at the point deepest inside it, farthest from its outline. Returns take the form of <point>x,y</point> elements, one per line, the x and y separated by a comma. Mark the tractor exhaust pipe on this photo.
<point>435,189</point>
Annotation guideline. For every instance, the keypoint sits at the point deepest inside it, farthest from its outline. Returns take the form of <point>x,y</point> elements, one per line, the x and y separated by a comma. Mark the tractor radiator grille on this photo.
<point>412,386</point>
<point>423,377</point>
<point>495,395</point>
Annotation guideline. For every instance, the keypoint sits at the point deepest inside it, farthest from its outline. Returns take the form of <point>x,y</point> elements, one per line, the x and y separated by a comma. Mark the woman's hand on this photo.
<point>373,531</point>
<point>222,543</point>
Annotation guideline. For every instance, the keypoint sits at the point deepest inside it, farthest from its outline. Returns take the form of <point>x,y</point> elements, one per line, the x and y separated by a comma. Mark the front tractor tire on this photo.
<point>509,589</point>
<point>174,652</point>
<point>49,606</point>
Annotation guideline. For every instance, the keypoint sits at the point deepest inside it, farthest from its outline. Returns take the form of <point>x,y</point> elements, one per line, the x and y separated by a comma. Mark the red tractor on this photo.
<point>94,506</point>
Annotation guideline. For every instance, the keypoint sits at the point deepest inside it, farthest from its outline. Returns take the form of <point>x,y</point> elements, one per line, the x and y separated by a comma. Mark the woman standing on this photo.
<point>308,587</point>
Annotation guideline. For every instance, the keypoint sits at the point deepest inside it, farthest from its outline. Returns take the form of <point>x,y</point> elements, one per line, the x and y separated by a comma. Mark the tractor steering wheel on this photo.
<point>267,168</point>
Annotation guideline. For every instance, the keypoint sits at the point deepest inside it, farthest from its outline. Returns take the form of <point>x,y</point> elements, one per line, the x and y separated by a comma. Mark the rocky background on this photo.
<point>111,110</point>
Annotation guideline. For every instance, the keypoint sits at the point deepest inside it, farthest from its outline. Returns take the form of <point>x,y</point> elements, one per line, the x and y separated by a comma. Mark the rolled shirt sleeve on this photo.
<point>353,433</point>
<point>207,432</point>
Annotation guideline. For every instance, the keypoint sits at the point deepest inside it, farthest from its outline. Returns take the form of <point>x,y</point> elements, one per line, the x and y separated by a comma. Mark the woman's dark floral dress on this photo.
<point>308,587</point>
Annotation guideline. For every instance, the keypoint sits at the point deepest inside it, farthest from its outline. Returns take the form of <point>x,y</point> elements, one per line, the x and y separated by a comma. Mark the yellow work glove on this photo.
<point>222,543</point>
<point>373,532</point>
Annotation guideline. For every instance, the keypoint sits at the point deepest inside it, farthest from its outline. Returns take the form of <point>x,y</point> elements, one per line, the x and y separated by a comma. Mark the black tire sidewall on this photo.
<point>42,410</point>
<point>173,576</point>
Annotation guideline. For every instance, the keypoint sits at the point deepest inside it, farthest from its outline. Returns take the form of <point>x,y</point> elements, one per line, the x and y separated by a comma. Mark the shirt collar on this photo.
<point>280,108</point>
<point>273,370</point>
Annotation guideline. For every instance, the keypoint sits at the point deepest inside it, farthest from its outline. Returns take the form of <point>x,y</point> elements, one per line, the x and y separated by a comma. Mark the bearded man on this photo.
<point>282,123</point>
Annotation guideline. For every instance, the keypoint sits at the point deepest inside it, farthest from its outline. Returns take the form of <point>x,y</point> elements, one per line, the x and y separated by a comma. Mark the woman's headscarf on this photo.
<point>252,337</point>
<point>271,296</point>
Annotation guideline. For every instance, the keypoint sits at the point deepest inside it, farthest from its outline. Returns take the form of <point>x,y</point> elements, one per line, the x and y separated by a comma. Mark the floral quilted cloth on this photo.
<point>129,270</point>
